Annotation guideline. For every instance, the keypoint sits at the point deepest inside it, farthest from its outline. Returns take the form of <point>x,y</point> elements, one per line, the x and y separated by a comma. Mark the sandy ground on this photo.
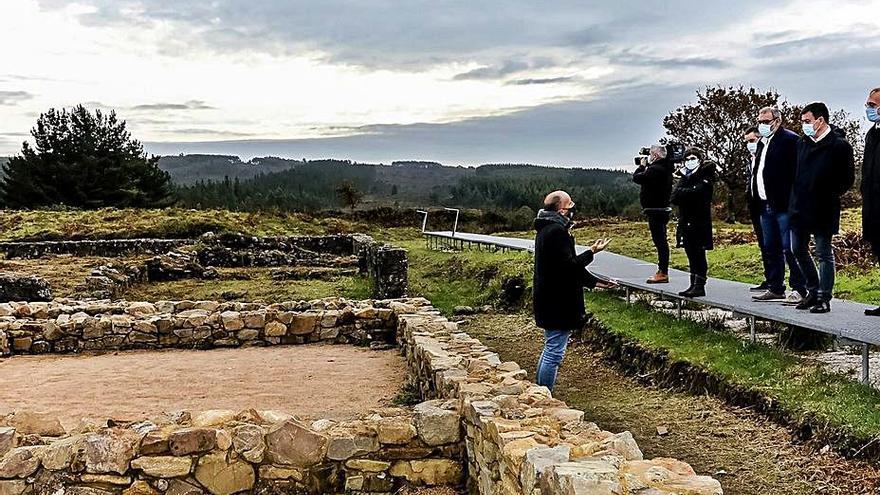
<point>314,381</point>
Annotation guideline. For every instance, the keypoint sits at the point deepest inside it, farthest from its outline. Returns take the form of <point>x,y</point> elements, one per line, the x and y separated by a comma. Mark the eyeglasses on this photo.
<point>870,104</point>
<point>765,121</point>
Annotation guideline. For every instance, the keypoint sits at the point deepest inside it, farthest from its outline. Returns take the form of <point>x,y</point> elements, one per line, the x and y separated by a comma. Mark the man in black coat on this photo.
<point>560,278</point>
<point>770,188</point>
<point>871,181</point>
<point>655,177</point>
<point>751,138</point>
<point>825,171</point>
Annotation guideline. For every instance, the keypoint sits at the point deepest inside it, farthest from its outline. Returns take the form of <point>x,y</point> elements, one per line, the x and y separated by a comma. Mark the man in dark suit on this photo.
<point>772,178</point>
<point>825,171</point>
<point>560,278</point>
<point>751,137</point>
<point>871,180</point>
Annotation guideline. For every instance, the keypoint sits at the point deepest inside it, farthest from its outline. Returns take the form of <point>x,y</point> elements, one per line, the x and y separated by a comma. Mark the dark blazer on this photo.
<point>560,278</point>
<point>779,168</point>
<point>871,187</point>
<point>656,182</point>
<point>825,171</point>
<point>693,196</point>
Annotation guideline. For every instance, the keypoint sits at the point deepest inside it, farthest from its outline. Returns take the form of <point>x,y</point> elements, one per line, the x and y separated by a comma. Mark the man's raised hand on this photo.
<point>600,245</point>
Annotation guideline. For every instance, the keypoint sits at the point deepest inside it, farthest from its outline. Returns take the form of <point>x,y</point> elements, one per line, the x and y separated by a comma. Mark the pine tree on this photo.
<point>83,160</point>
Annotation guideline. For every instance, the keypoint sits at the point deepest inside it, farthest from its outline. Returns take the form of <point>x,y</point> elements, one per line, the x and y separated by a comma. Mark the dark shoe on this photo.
<point>808,302</point>
<point>821,307</point>
<point>658,278</point>
<point>872,312</point>
<point>698,289</point>
<point>687,291</point>
<point>760,288</point>
<point>769,296</point>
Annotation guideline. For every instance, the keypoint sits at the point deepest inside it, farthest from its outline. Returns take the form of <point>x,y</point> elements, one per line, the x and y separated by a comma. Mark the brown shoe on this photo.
<point>659,278</point>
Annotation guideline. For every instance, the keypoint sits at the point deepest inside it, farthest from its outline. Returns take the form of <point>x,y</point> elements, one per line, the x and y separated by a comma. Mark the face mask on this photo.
<point>765,129</point>
<point>753,147</point>
<point>691,165</point>
<point>871,112</point>
<point>809,129</point>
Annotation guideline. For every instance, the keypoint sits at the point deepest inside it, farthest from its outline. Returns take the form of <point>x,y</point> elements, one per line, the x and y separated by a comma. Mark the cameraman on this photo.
<point>655,178</point>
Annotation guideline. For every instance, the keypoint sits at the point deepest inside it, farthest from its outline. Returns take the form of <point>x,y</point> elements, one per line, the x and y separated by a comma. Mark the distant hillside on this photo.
<point>188,169</point>
<point>312,185</point>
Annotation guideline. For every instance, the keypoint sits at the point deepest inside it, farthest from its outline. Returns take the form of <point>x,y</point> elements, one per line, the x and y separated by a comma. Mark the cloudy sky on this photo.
<point>572,83</point>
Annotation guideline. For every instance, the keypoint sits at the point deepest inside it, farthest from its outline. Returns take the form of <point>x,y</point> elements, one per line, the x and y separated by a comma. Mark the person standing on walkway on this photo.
<point>825,171</point>
<point>751,138</point>
<point>655,180</point>
<point>774,171</point>
<point>559,280</point>
<point>693,196</point>
<point>871,180</point>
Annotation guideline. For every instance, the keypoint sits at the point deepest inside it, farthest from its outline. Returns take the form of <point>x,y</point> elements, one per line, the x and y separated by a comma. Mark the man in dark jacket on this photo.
<point>772,179</point>
<point>656,181</point>
<point>871,180</point>
<point>560,278</point>
<point>751,138</point>
<point>825,171</point>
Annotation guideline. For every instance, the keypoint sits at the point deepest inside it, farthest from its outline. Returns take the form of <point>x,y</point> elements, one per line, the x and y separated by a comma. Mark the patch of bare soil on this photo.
<point>309,381</point>
<point>748,453</point>
<point>63,272</point>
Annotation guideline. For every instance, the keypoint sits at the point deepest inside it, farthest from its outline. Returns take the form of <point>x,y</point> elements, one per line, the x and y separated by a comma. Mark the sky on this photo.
<point>566,83</point>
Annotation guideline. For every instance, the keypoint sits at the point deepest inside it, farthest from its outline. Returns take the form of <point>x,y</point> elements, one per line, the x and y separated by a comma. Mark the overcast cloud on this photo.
<point>565,83</point>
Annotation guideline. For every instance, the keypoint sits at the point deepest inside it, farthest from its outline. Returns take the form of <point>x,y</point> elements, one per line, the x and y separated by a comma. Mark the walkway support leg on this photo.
<point>752,333</point>
<point>678,304</point>
<point>865,364</point>
<point>628,295</point>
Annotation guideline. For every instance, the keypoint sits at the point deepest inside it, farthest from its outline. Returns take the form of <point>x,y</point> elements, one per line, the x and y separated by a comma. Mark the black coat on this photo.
<point>693,196</point>
<point>779,169</point>
<point>871,187</point>
<point>560,278</point>
<point>656,182</point>
<point>825,171</point>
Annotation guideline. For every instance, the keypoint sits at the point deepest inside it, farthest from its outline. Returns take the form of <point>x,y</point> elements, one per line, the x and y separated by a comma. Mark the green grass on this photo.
<point>801,388</point>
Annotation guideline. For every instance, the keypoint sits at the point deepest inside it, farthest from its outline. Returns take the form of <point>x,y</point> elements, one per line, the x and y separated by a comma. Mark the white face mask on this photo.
<point>691,164</point>
<point>753,147</point>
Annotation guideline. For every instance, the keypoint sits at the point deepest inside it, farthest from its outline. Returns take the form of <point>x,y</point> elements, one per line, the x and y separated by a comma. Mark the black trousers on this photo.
<point>657,222</point>
<point>697,262</point>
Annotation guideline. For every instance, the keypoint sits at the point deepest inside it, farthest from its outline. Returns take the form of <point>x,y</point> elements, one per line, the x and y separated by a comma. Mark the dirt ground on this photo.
<point>747,453</point>
<point>313,381</point>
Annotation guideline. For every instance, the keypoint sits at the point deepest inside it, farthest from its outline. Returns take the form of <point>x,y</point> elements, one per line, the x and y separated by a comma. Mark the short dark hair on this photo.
<point>818,109</point>
<point>750,130</point>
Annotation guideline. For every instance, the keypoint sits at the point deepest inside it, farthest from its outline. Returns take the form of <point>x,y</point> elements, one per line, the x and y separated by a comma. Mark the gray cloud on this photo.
<point>189,105</point>
<point>208,132</point>
<point>544,80</point>
<point>636,59</point>
<point>13,97</point>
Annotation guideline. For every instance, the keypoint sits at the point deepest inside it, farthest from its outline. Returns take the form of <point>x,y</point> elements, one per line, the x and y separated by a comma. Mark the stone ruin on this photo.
<point>481,423</point>
<point>295,257</point>
<point>18,287</point>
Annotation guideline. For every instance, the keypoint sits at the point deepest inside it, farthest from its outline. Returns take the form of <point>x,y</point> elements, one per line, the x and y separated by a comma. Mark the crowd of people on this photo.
<point>794,190</point>
<point>795,185</point>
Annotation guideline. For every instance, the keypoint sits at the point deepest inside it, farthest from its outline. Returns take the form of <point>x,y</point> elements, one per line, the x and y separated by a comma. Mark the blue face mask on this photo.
<point>765,129</point>
<point>871,112</point>
<point>753,147</point>
<point>809,130</point>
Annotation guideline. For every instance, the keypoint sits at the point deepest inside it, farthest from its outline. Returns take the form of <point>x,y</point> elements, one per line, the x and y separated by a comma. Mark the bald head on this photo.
<point>557,200</point>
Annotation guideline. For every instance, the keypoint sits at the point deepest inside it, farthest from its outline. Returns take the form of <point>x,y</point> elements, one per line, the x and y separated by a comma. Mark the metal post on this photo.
<point>679,304</point>
<point>865,364</point>
<point>424,218</point>
<point>752,329</point>
<point>628,292</point>
<point>455,225</point>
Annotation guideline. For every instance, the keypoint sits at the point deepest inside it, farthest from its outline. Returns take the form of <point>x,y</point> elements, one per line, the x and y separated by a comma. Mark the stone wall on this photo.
<point>481,421</point>
<point>18,287</point>
<point>64,326</point>
<point>519,439</point>
<point>100,247</point>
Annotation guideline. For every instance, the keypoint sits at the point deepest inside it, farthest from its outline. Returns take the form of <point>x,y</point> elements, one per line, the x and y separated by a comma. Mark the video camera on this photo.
<point>674,153</point>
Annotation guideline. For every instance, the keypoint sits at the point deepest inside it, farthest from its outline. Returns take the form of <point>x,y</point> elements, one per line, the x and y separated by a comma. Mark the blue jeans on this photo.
<point>820,283</point>
<point>776,252</point>
<point>555,342</point>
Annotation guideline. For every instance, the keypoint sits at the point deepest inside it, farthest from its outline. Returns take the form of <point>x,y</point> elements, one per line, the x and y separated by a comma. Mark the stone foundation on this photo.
<point>482,422</point>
